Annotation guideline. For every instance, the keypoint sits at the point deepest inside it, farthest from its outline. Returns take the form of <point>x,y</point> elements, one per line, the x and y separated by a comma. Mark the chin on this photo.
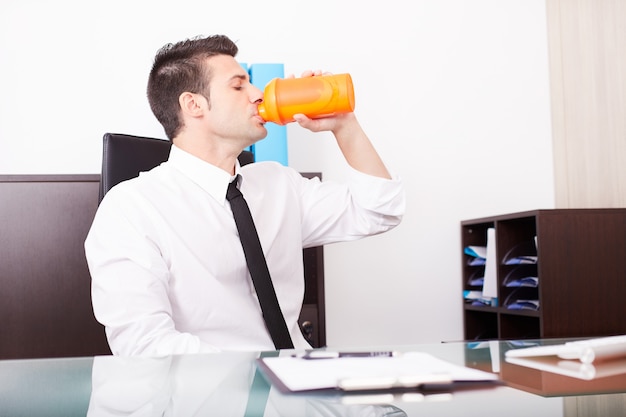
<point>264,132</point>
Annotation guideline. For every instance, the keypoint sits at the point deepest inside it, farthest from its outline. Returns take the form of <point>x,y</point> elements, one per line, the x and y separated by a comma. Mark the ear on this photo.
<point>192,104</point>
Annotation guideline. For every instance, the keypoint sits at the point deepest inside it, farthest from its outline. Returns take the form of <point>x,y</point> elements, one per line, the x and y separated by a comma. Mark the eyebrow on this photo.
<point>243,77</point>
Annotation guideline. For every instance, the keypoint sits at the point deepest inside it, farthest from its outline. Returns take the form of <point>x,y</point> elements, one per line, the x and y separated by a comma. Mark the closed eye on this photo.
<point>238,81</point>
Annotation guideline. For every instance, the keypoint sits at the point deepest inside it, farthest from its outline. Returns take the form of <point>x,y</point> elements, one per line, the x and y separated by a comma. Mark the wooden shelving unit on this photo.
<point>580,269</point>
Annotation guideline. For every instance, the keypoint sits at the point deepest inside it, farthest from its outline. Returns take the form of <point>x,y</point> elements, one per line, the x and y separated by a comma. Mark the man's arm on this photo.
<point>129,284</point>
<point>352,140</point>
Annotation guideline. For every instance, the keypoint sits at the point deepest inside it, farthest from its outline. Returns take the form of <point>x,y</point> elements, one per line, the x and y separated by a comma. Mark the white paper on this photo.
<point>494,351</point>
<point>490,285</point>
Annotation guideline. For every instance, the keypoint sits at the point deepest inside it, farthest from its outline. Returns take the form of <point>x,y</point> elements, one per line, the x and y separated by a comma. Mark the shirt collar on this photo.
<point>210,178</point>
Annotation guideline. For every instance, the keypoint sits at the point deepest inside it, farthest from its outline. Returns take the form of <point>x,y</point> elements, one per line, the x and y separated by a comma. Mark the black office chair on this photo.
<point>125,156</point>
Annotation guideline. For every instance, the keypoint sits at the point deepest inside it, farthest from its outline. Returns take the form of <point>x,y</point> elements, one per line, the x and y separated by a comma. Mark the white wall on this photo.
<point>453,93</point>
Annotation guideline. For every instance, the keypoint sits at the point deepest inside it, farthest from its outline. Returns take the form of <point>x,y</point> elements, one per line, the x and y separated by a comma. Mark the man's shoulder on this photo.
<point>268,168</point>
<point>145,182</point>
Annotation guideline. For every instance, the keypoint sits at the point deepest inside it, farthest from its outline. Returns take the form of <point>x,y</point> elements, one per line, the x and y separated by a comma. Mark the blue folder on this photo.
<point>274,146</point>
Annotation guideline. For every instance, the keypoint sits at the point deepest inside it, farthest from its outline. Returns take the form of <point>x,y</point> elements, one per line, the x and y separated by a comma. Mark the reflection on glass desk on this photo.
<point>224,384</point>
<point>550,376</point>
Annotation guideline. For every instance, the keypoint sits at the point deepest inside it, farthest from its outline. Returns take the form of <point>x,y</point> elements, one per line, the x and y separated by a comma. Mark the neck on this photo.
<point>219,156</point>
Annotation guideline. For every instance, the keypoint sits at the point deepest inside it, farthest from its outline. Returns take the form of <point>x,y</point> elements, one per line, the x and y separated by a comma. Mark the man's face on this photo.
<point>234,101</point>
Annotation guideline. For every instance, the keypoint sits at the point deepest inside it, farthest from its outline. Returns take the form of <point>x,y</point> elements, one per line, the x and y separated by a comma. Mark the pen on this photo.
<point>324,354</point>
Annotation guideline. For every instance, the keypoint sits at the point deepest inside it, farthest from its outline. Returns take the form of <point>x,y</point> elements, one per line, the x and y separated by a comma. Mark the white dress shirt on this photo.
<point>168,271</point>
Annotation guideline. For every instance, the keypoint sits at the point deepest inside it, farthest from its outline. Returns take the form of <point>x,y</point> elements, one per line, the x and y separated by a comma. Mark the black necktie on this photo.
<point>253,252</point>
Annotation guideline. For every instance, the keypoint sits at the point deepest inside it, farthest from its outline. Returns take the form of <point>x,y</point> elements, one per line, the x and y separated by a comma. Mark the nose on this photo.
<point>256,96</point>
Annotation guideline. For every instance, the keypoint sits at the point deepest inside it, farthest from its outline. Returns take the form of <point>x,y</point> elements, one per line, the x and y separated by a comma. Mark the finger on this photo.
<point>300,118</point>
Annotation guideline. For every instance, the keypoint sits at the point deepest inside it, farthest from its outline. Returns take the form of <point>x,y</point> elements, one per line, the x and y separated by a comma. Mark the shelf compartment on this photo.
<point>517,326</point>
<point>481,325</point>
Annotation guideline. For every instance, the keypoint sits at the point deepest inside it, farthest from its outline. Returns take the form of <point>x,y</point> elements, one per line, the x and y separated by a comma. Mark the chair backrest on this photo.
<point>125,156</point>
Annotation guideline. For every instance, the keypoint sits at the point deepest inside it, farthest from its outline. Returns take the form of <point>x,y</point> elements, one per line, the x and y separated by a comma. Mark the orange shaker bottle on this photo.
<point>315,97</point>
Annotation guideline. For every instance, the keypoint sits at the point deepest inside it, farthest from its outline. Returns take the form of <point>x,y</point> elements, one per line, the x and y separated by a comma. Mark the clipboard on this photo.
<point>403,372</point>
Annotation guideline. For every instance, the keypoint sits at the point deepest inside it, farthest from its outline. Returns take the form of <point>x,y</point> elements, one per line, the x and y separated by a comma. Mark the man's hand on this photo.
<point>329,123</point>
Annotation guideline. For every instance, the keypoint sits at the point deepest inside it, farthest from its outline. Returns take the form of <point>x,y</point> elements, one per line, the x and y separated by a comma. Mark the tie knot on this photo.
<point>232,191</point>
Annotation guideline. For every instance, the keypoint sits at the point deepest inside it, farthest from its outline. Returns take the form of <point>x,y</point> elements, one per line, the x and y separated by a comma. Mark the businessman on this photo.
<point>168,271</point>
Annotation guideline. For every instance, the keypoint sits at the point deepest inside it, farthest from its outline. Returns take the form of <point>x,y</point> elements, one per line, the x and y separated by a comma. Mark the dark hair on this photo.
<point>178,68</point>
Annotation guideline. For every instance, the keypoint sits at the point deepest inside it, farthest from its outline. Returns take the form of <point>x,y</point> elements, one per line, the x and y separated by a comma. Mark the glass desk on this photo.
<point>220,385</point>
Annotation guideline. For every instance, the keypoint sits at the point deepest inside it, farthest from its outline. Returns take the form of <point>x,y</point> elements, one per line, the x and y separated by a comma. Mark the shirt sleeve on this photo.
<point>366,205</point>
<point>130,281</point>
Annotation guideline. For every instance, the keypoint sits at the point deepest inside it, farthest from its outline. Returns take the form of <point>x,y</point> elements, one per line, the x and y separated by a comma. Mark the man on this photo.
<point>168,270</point>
